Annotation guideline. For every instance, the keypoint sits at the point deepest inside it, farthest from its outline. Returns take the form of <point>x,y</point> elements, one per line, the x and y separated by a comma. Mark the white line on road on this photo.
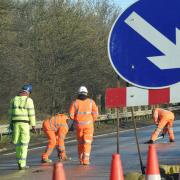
<point>70,141</point>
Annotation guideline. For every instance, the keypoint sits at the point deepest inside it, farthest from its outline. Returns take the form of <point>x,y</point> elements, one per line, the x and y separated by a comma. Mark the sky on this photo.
<point>124,3</point>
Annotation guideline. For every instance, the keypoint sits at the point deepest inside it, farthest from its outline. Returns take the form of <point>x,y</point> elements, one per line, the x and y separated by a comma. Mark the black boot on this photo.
<point>149,142</point>
<point>171,140</point>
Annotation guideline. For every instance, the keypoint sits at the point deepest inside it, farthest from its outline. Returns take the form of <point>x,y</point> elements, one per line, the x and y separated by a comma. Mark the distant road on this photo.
<point>103,148</point>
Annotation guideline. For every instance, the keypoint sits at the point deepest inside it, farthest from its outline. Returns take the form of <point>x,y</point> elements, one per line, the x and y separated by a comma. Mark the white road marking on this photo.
<point>70,141</point>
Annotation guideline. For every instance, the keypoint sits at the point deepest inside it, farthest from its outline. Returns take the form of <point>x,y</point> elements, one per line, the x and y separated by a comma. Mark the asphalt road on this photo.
<point>103,148</point>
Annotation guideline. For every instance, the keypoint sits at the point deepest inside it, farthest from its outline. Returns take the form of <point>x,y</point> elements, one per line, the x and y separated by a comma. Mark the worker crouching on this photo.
<point>164,121</point>
<point>56,129</point>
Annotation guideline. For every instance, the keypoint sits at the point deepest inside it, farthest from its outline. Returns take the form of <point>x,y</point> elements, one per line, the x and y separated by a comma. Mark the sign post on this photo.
<point>137,142</point>
<point>117,109</point>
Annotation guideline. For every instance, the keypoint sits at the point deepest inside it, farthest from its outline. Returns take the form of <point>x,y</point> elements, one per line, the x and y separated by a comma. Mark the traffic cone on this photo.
<point>58,172</point>
<point>116,168</point>
<point>152,167</point>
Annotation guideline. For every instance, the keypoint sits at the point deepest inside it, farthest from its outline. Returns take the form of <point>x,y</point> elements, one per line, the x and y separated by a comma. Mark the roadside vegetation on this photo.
<point>57,46</point>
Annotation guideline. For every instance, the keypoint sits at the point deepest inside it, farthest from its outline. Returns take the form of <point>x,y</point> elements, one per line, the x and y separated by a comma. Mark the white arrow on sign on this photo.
<point>171,51</point>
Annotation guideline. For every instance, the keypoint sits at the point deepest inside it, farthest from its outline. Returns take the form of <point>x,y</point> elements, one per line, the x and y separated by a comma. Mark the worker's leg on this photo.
<point>61,135</point>
<point>88,138</point>
<point>24,142</point>
<point>159,128</point>
<point>165,130</point>
<point>51,144</point>
<point>16,140</point>
<point>170,130</point>
<point>80,140</point>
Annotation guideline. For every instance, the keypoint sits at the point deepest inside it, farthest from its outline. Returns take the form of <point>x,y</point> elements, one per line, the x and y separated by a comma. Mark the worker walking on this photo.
<point>56,129</point>
<point>83,111</point>
<point>21,116</point>
<point>164,120</point>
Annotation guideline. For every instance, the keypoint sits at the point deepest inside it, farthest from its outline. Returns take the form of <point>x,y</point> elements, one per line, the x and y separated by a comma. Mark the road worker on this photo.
<point>164,120</point>
<point>83,111</point>
<point>56,129</point>
<point>21,116</point>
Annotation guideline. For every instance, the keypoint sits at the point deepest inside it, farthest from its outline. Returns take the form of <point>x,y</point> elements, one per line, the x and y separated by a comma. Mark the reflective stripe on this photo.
<point>49,150</point>
<point>94,113</point>
<point>24,159</point>
<point>20,115</point>
<point>50,123</point>
<point>158,129</point>
<point>83,123</point>
<point>86,154</point>
<point>88,141</point>
<point>83,112</point>
<point>62,137</point>
<point>61,125</point>
<point>61,147</point>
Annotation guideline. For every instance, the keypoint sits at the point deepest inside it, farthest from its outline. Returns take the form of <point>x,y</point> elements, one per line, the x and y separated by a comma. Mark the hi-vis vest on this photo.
<point>55,122</point>
<point>83,111</point>
<point>22,110</point>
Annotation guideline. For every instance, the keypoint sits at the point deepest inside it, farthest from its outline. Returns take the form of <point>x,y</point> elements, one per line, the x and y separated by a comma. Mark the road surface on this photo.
<point>103,148</point>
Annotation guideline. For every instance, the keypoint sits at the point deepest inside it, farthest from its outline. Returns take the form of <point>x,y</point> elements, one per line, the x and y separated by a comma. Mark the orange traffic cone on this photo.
<point>58,172</point>
<point>152,167</point>
<point>116,168</point>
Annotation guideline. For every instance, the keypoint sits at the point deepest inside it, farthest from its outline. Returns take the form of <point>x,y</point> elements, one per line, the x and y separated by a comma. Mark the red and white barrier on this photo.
<point>134,96</point>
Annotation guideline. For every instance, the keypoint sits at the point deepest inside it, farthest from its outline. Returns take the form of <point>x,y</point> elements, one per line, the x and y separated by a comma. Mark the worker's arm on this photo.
<point>31,114</point>
<point>155,117</point>
<point>95,111</point>
<point>71,124</point>
<point>10,115</point>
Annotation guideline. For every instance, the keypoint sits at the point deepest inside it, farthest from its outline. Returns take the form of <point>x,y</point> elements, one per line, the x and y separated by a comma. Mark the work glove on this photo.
<point>11,127</point>
<point>33,130</point>
<point>71,125</point>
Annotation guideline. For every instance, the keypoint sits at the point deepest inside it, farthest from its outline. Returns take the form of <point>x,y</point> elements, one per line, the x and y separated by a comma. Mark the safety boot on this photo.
<point>86,163</point>
<point>46,161</point>
<point>171,140</point>
<point>23,168</point>
<point>149,142</point>
<point>64,158</point>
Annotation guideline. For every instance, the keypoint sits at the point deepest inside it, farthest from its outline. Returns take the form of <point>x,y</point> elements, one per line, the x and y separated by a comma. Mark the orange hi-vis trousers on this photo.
<point>56,130</point>
<point>167,126</point>
<point>55,139</point>
<point>85,138</point>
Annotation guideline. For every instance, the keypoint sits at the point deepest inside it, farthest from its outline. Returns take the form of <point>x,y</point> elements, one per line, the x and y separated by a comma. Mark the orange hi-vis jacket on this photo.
<point>162,114</point>
<point>55,122</point>
<point>83,111</point>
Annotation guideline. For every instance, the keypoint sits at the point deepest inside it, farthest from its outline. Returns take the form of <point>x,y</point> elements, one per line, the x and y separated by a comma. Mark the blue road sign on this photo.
<point>144,44</point>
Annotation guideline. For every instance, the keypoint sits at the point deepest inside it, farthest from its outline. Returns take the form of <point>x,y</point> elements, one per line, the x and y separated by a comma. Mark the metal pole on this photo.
<point>137,143</point>
<point>117,130</point>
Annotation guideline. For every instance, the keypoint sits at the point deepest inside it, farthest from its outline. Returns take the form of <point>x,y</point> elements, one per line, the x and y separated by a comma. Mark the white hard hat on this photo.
<point>83,90</point>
